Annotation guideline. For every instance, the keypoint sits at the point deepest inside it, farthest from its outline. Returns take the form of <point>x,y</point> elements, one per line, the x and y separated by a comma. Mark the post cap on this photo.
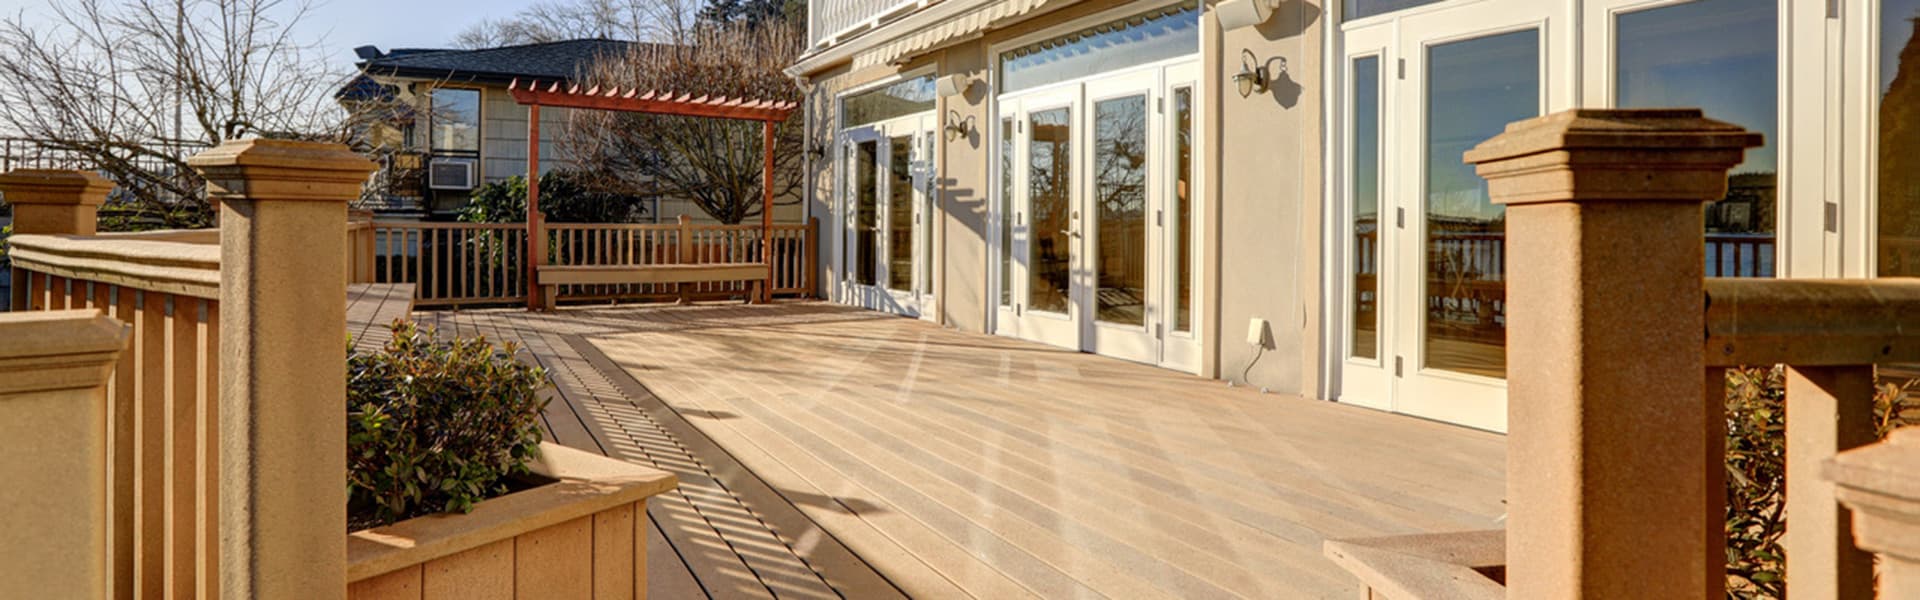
<point>1667,154</point>
<point>259,169</point>
<point>58,349</point>
<point>55,186</point>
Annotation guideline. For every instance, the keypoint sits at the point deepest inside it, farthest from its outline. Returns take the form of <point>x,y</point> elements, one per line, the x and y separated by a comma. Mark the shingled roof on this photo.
<point>549,61</point>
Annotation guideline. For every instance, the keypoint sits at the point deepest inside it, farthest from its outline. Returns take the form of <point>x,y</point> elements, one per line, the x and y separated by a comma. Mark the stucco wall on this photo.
<point>1269,192</point>
<point>965,199</point>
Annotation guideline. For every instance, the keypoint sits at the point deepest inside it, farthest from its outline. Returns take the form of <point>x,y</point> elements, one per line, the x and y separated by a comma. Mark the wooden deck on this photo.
<point>832,452</point>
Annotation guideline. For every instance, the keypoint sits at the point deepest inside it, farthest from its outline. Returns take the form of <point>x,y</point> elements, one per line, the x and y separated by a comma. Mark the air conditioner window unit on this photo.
<point>451,174</point>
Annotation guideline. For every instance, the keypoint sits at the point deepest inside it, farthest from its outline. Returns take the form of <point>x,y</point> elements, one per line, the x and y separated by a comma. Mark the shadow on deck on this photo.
<point>826,451</point>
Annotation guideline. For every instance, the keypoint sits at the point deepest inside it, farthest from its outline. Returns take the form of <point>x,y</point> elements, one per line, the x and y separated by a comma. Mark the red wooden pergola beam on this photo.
<point>652,101</point>
<point>766,111</point>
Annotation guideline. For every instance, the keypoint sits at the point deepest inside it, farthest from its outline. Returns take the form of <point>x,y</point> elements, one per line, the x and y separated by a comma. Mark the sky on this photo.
<point>341,25</point>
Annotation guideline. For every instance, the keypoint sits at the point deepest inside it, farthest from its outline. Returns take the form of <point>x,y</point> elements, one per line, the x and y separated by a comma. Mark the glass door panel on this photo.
<point>900,192</point>
<point>1897,247</point>
<point>1475,88</point>
<point>1120,205</point>
<point>1363,187</point>
<point>1050,206</point>
<point>1722,56</point>
<point>866,213</point>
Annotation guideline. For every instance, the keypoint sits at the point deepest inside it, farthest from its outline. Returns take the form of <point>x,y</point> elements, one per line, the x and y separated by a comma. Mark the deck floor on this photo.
<point>832,452</point>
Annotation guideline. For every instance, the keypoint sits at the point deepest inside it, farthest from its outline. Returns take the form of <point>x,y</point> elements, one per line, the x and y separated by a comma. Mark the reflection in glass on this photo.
<point>926,210</point>
<point>866,213</point>
<point>1721,56</point>
<point>1182,237</point>
<point>456,119</point>
<point>1474,88</point>
<point>1158,35</point>
<point>1365,187</point>
<point>1006,211</point>
<point>900,213</point>
<point>1050,196</point>
<point>1120,203</point>
<point>896,100</point>
<point>1899,211</point>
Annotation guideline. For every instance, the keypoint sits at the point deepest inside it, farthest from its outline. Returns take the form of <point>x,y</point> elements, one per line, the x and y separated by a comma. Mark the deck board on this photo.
<point>831,452</point>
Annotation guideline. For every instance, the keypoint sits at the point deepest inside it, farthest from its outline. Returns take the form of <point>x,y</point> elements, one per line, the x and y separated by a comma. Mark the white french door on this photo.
<point>1096,215</point>
<point>1425,252</point>
<point>886,208</point>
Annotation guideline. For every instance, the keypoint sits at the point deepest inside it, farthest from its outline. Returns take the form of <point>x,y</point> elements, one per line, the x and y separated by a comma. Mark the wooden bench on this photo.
<point>554,276</point>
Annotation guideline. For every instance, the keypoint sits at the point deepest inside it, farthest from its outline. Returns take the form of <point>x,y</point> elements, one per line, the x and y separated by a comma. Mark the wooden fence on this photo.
<point>162,408</point>
<point>478,264</point>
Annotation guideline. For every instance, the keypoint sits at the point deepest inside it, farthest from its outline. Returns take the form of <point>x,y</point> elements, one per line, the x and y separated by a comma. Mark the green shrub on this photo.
<point>1756,472</point>
<point>565,197</point>
<point>437,425</point>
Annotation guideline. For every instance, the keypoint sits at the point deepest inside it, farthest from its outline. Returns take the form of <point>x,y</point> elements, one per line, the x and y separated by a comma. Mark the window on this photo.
<point>1159,35</point>
<point>899,99</point>
<point>456,120</point>
<point>1182,238</point>
<point>1364,188</point>
<point>1006,211</point>
<point>1360,9</point>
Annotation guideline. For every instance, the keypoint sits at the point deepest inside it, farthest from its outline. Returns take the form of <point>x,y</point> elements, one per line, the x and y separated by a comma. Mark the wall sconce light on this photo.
<point>953,85</point>
<point>1236,14</point>
<point>1256,77</point>
<point>957,127</point>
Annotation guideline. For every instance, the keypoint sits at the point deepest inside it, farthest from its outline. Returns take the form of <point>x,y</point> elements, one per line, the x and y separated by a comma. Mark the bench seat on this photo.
<point>554,276</point>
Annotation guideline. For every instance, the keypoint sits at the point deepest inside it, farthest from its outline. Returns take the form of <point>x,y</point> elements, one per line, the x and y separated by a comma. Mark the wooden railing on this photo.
<point>474,264</point>
<point>162,412</point>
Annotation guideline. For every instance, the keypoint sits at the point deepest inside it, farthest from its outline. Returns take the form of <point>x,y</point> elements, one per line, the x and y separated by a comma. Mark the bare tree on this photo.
<point>714,163</point>
<point>130,87</point>
<point>632,20</point>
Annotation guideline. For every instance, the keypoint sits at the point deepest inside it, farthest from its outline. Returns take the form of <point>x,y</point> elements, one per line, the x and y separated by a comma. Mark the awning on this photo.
<point>949,30</point>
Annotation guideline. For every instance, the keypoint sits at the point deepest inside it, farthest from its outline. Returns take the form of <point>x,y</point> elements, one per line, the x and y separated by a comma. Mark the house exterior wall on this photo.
<point>503,138</point>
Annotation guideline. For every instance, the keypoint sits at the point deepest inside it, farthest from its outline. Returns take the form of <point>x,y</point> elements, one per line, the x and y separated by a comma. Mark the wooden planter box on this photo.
<point>583,536</point>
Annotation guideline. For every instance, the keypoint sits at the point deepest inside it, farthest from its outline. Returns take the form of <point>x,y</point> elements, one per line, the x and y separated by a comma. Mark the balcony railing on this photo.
<point>832,19</point>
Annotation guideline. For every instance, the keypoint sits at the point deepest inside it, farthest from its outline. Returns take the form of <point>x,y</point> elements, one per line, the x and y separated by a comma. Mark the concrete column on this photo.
<point>1612,481</point>
<point>1877,484</point>
<point>282,363</point>
<point>54,202</point>
<point>53,431</point>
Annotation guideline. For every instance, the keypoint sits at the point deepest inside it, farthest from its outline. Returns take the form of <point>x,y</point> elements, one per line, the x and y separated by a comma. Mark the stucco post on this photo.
<point>54,202</point>
<point>1877,484</point>
<point>1613,463</point>
<point>282,363</point>
<point>53,429</point>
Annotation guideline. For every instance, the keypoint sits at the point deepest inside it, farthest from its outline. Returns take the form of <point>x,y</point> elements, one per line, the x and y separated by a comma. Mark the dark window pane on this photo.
<point>1899,211</point>
<point>1050,196</point>
<point>1474,88</point>
<point>900,213</point>
<point>1721,56</point>
<point>456,120</point>
<point>1365,187</point>
<point>866,214</point>
<point>1120,203</point>
<point>1359,9</point>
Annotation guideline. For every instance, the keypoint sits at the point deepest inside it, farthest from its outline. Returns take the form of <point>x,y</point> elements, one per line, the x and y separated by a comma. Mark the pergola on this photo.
<point>534,95</point>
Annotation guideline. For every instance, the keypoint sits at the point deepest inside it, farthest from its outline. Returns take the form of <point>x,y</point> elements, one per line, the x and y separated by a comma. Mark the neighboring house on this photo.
<point>455,117</point>
<point>1271,192</point>
<point>464,129</point>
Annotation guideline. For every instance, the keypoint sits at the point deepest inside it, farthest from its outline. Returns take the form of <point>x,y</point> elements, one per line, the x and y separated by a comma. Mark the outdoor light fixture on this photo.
<point>1255,77</point>
<point>1235,14</point>
<point>957,127</point>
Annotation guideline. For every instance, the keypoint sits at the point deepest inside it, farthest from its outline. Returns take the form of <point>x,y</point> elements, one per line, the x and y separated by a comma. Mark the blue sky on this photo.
<point>343,24</point>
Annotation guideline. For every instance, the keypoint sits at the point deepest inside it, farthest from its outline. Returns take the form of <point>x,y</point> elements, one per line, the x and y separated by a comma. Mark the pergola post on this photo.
<point>766,210</point>
<point>536,244</point>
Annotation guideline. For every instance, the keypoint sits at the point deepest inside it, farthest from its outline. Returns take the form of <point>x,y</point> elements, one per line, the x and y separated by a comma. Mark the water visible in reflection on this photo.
<point>1899,210</point>
<point>1050,194</point>
<point>1721,56</point>
<point>1120,203</point>
<point>1474,88</point>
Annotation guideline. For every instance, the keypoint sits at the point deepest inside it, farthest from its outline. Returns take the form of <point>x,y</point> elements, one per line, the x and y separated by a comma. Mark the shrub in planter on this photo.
<point>1756,472</point>
<point>436,425</point>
